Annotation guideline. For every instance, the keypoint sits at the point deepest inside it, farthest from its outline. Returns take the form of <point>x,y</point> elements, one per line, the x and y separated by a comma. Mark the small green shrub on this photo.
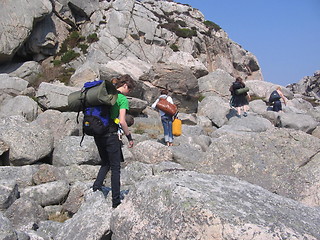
<point>174,47</point>
<point>84,48</point>
<point>69,55</point>
<point>66,75</point>
<point>212,25</point>
<point>74,39</point>
<point>92,38</point>
<point>56,62</point>
<point>181,23</point>
<point>170,26</point>
<point>201,97</point>
<point>63,48</point>
<point>186,32</point>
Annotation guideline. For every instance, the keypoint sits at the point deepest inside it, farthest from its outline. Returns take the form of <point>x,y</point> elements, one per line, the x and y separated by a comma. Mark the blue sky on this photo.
<point>284,35</point>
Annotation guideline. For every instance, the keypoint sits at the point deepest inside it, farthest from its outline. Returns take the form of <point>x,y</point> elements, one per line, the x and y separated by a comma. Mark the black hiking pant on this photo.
<point>110,152</point>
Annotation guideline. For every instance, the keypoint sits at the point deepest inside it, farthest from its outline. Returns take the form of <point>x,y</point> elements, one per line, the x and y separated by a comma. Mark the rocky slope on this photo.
<point>254,177</point>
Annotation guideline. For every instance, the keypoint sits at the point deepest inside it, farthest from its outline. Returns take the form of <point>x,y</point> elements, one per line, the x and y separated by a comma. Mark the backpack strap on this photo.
<point>83,106</point>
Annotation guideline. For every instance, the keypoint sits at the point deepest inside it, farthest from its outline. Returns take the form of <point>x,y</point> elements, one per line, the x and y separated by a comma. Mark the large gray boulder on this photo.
<point>54,96</point>
<point>276,159</point>
<point>251,123</point>
<point>68,152</point>
<point>215,108</point>
<point>8,193</point>
<point>17,24</point>
<point>25,214</point>
<point>216,83</point>
<point>28,71</point>
<point>302,122</point>
<point>152,152</point>
<point>46,173</point>
<point>6,229</point>
<point>61,124</point>
<point>92,221</point>
<point>184,205</point>
<point>28,143</point>
<point>20,105</point>
<point>308,86</point>
<point>11,86</point>
<point>22,175</point>
<point>48,193</point>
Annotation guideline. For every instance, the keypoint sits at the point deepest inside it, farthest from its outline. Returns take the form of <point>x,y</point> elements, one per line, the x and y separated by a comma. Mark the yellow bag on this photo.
<point>176,127</point>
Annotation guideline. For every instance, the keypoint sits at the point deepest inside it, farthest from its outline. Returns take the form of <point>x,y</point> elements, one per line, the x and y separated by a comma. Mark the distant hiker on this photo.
<point>166,118</point>
<point>240,96</point>
<point>275,99</point>
<point>109,145</point>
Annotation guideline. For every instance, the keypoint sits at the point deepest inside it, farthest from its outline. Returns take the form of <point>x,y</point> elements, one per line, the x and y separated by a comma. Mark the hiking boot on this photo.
<point>115,205</point>
<point>245,114</point>
<point>95,188</point>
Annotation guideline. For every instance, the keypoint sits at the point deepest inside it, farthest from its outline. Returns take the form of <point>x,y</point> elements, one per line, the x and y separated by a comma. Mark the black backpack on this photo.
<point>274,96</point>
<point>96,119</point>
<point>237,85</point>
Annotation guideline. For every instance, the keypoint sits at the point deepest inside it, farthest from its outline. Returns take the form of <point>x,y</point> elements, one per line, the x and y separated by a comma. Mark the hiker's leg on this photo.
<point>246,108</point>
<point>101,143</point>
<point>170,132</point>
<point>115,156</point>
<point>165,124</point>
<point>239,110</point>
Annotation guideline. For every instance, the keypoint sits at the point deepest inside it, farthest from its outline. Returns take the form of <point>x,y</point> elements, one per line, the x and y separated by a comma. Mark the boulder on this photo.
<point>28,71</point>
<point>20,105</point>
<point>9,193</point>
<point>296,121</point>
<point>25,214</point>
<point>251,123</point>
<point>61,124</point>
<point>151,152</point>
<point>135,172</point>
<point>215,108</point>
<point>271,159</point>
<point>68,152</point>
<point>75,198</point>
<point>47,173</point>
<point>12,85</point>
<point>16,26</point>
<point>89,222</point>
<point>216,83</point>
<point>54,96</point>
<point>6,229</point>
<point>28,143</point>
<point>22,175</point>
<point>181,205</point>
<point>48,193</point>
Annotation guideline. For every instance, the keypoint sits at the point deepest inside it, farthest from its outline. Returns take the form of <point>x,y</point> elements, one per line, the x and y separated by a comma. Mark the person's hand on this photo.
<point>130,145</point>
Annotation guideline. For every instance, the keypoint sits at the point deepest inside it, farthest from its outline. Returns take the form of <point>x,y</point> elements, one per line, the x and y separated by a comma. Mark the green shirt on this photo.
<point>122,103</point>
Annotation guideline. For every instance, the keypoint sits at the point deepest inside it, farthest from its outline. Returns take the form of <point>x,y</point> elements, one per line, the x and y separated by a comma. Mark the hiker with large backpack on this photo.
<point>104,107</point>
<point>275,99</point>
<point>240,96</point>
<point>167,112</point>
<point>109,144</point>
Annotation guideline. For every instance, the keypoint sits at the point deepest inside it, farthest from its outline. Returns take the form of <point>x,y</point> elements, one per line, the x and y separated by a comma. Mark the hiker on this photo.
<point>166,119</point>
<point>275,98</point>
<point>240,101</point>
<point>109,145</point>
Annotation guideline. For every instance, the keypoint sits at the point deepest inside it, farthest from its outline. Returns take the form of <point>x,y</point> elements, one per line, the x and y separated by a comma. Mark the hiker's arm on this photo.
<point>125,128</point>
<point>155,104</point>
<point>283,98</point>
